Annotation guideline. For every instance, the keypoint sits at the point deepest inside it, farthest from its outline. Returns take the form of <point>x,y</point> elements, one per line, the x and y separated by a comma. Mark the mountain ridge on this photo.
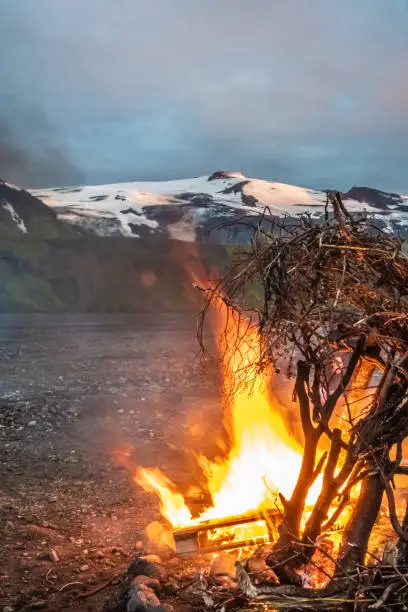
<point>70,250</point>
<point>188,209</point>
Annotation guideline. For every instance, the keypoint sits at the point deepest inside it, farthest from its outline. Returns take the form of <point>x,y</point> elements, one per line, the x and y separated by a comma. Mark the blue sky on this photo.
<point>310,92</point>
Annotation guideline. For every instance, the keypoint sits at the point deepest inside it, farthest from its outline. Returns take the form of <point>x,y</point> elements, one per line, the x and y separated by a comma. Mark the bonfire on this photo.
<point>321,306</point>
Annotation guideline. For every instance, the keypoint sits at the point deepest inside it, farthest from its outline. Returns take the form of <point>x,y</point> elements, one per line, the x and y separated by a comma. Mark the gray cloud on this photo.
<point>312,93</point>
<point>30,150</point>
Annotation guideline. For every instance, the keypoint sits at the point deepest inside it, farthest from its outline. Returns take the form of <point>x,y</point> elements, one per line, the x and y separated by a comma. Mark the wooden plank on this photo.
<point>221,547</point>
<point>228,521</point>
<point>194,539</point>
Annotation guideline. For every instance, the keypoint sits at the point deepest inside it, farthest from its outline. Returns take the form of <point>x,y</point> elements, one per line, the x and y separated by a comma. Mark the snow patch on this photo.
<point>15,217</point>
<point>10,185</point>
<point>278,196</point>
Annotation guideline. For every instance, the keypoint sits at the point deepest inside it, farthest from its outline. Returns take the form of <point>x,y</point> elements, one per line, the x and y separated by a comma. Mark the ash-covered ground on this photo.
<point>73,390</point>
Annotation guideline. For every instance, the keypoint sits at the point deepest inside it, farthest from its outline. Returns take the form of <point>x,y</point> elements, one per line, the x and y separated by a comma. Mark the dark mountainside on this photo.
<point>377,198</point>
<point>50,265</point>
<point>56,267</point>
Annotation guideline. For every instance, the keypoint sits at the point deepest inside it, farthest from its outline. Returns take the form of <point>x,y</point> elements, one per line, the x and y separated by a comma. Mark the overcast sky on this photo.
<point>309,92</point>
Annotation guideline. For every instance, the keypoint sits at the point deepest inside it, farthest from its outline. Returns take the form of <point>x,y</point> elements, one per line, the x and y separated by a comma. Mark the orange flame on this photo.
<point>263,459</point>
<point>172,504</point>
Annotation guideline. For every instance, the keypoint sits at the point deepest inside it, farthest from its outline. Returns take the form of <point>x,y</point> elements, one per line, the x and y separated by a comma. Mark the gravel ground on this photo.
<point>73,390</point>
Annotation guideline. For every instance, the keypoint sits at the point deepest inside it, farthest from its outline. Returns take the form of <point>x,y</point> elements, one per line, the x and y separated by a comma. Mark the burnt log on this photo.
<point>358,530</point>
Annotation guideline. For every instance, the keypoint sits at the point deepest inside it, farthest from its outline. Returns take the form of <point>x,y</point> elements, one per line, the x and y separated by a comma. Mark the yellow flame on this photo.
<point>263,459</point>
<point>172,504</point>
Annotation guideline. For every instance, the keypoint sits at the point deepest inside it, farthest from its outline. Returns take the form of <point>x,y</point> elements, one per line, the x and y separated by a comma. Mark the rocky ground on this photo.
<point>74,390</point>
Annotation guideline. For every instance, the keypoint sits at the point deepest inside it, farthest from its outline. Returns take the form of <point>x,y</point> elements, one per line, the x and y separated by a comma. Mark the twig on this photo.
<point>96,589</point>
<point>378,605</point>
<point>69,585</point>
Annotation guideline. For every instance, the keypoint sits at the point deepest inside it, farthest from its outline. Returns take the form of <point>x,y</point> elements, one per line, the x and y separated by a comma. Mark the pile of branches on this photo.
<point>386,590</point>
<point>331,313</point>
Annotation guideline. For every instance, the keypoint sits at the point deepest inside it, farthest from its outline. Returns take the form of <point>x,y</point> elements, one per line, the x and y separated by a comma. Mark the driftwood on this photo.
<point>330,312</point>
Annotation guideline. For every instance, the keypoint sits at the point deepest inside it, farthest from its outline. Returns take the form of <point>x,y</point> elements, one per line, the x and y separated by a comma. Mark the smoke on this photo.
<point>31,153</point>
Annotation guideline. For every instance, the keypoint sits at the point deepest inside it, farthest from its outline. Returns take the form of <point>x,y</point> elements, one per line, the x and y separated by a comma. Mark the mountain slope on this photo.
<point>190,209</point>
<point>23,213</point>
<point>48,265</point>
<point>68,250</point>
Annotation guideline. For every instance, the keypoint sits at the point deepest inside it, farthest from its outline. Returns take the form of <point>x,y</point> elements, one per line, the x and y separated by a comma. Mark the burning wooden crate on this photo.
<point>242,531</point>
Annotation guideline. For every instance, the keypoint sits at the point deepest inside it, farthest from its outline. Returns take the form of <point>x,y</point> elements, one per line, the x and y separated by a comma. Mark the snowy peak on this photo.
<point>381,200</point>
<point>223,174</point>
<point>179,208</point>
<point>189,209</point>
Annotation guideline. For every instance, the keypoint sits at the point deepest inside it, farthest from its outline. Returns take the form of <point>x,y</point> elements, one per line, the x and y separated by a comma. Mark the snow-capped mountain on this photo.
<point>67,250</point>
<point>191,209</point>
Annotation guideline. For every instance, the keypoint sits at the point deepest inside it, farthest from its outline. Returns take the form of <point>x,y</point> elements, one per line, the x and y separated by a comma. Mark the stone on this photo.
<point>224,564</point>
<point>257,562</point>
<point>49,555</point>
<point>143,567</point>
<point>142,599</point>
<point>159,540</point>
<point>258,569</point>
<point>152,583</point>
